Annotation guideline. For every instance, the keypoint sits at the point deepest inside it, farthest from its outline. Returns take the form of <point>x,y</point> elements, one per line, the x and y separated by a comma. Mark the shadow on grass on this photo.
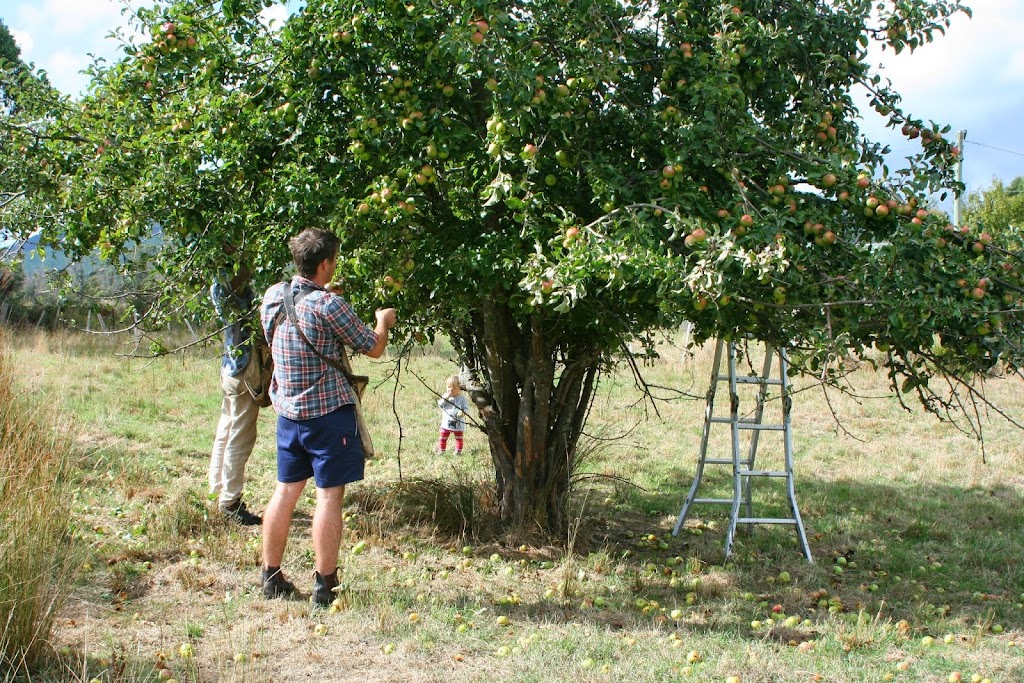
<point>929,554</point>
<point>925,550</point>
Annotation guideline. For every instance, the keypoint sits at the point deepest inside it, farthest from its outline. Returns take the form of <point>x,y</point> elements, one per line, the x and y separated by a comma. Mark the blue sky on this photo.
<point>972,79</point>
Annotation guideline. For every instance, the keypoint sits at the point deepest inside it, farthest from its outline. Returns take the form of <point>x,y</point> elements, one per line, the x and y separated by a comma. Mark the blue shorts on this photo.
<point>326,448</point>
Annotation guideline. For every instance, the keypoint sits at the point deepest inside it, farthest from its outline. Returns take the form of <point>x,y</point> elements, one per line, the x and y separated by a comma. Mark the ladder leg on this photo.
<point>737,484</point>
<point>762,395</point>
<point>788,445</point>
<point>704,437</point>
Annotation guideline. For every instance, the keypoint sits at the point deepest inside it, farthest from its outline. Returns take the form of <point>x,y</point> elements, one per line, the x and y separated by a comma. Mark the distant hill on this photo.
<point>49,260</point>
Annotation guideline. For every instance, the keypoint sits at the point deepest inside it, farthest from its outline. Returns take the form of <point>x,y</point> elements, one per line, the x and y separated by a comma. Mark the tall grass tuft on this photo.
<point>35,542</point>
<point>453,507</point>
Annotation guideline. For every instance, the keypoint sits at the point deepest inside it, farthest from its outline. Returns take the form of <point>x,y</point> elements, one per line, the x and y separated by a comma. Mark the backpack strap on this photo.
<point>341,365</point>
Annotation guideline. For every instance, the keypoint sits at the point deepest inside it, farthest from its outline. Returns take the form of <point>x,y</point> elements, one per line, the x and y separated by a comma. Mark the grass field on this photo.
<point>927,538</point>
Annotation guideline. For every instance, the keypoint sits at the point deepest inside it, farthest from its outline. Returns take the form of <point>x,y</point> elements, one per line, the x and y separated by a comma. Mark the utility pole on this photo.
<point>960,137</point>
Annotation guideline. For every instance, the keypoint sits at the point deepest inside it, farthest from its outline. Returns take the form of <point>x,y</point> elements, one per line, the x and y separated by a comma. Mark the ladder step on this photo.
<point>751,380</point>
<point>747,423</point>
<point>713,501</point>
<point>720,461</point>
<point>762,473</point>
<point>765,520</point>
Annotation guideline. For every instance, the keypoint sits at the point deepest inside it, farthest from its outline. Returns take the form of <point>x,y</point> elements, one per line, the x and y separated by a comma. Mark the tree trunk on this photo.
<point>535,393</point>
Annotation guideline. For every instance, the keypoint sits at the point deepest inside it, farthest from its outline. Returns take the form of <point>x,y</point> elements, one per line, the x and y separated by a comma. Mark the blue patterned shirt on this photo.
<point>234,309</point>
<point>304,386</point>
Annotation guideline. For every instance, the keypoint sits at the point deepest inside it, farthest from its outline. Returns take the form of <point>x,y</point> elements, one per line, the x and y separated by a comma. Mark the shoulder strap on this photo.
<point>289,307</point>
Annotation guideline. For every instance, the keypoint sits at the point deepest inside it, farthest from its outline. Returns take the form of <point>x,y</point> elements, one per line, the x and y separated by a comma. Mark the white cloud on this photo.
<point>62,18</point>
<point>62,33</point>
<point>1014,69</point>
<point>976,59</point>
<point>25,43</point>
<point>273,17</point>
<point>65,64</point>
<point>971,78</point>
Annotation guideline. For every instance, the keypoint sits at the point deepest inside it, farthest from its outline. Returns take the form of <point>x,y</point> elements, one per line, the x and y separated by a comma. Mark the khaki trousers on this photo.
<point>232,446</point>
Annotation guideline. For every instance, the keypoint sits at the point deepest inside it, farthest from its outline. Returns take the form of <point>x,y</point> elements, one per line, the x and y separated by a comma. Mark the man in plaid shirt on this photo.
<point>317,434</point>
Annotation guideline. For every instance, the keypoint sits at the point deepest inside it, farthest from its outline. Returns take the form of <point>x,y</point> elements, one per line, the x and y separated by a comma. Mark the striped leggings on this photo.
<point>442,441</point>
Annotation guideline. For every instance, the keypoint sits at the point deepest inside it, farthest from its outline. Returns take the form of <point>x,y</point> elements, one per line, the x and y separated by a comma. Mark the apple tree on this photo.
<point>542,182</point>
<point>998,207</point>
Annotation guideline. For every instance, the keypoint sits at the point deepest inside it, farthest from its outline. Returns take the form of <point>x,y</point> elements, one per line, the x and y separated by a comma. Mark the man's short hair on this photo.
<point>311,247</point>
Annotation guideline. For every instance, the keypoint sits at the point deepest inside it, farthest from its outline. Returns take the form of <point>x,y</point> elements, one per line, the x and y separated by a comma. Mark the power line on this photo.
<point>998,149</point>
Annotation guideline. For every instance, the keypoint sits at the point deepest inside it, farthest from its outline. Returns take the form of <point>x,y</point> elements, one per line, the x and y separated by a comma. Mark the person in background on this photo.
<point>233,300</point>
<point>454,407</point>
<point>317,434</point>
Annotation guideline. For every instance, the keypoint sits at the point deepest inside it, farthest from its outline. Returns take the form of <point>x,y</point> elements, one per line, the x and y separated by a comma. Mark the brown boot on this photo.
<point>323,588</point>
<point>275,585</point>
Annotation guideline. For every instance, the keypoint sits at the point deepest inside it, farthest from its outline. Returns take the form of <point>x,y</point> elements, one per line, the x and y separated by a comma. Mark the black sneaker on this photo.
<point>275,585</point>
<point>237,512</point>
<point>323,588</point>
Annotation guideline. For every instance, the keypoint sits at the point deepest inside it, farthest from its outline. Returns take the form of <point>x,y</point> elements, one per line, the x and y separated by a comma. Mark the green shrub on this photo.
<point>35,543</point>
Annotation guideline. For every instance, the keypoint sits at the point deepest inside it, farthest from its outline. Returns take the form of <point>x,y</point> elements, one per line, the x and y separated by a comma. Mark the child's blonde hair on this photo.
<point>453,380</point>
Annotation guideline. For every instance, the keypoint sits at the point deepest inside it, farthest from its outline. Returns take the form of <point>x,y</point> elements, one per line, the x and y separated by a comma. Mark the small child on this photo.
<point>454,408</point>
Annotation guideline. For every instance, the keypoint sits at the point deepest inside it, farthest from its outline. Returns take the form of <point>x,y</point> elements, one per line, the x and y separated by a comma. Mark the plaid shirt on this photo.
<point>304,386</point>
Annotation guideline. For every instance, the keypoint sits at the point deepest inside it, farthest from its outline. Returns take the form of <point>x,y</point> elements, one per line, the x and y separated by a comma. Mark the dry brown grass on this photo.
<point>35,544</point>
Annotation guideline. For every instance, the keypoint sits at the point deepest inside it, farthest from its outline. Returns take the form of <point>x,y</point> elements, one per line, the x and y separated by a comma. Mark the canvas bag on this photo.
<point>341,364</point>
<point>259,372</point>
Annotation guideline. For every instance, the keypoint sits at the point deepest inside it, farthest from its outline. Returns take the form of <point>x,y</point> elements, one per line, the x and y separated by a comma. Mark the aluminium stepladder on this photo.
<point>743,467</point>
